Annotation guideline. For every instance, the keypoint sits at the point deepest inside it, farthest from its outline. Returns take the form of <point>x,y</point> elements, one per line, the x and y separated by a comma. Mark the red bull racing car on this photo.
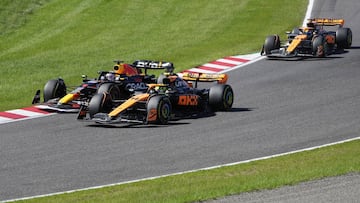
<point>312,40</point>
<point>175,97</point>
<point>119,83</point>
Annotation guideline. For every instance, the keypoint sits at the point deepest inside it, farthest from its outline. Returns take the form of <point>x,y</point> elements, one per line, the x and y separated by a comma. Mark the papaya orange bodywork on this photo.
<point>206,77</point>
<point>152,115</point>
<point>295,42</point>
<point>128,103</point>
<point>327,21</point>
<point>330,39</point>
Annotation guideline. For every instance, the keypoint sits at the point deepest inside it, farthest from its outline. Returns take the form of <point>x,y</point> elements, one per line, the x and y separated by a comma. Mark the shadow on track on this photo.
<point>240,109</point>
<point>177,121</point>
<point>331,56</point>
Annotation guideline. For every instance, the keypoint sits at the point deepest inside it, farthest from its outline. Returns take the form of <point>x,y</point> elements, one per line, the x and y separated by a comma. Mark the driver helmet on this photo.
<point>125,69</point>
<point>110,76</point>
<point>308,31</point>
<point>169,68</point>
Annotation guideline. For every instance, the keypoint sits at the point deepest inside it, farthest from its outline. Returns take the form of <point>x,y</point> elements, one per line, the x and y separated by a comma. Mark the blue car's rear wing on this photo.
<point>149,64</point>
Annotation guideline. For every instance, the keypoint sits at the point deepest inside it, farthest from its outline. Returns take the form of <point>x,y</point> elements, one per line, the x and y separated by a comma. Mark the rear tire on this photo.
<point>221,97</point>
<point>54,89</point>
<point>111,89</point>
<point>272,42</point>
<point>344,38</point>
<point>100,103</point>
<point>158,110</point>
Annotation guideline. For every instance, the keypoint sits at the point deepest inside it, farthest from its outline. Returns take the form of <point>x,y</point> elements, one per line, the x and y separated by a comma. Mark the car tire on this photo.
<point>344,38</point>
<point>100,103</point>
<point>111,89</point>
<point>158,110</point>
<point>272,42</point>
<point>54,89</point>
<point>319,46</point>
<point>221,97</point>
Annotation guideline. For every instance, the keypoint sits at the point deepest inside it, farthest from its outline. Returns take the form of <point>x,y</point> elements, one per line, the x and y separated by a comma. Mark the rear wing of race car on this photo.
<point>327,21</point>
<point>148,64</point>
<point>220,78</point>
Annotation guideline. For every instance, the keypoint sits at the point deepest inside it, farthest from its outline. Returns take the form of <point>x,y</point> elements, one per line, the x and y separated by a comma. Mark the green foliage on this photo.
<point>15,13</point>
<point>46,39</point>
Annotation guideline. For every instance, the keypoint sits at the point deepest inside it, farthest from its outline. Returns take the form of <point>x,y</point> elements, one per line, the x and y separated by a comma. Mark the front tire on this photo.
<point>54,89</point>
<point>100,103</point>
<point>319,46</point>
<point>272,42</point>
<point>221,97</point>
<point>158,110</point>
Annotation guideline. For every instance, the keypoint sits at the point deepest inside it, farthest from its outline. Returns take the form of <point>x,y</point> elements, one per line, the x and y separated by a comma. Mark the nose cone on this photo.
<point>68,98</point>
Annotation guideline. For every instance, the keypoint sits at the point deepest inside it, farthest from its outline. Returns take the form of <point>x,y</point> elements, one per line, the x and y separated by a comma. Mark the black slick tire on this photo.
<point>111,89</point>
<point>344,38</point>
<point>54,89</point>
<point>158,110</point>
<point>100,103</point>
<point>221,97</point>
<point>272,42</point>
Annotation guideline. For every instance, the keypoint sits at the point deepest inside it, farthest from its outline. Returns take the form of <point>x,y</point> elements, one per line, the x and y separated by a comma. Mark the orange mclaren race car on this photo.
<point>312,40</point>
<point>176,97</point>
<point>120,82</point>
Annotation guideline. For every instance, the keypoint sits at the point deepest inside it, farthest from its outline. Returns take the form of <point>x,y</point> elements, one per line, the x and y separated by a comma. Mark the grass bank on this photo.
<point>46,39</point>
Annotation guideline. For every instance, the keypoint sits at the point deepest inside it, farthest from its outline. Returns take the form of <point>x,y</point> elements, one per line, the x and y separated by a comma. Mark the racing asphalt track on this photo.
<point>280,106</point>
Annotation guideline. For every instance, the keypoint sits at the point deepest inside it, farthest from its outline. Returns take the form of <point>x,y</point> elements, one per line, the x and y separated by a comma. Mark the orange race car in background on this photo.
<point>312,40</point>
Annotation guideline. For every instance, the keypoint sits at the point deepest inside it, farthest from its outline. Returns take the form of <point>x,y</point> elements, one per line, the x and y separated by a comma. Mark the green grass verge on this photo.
<point>45,39</point>
<point>208,184</point>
